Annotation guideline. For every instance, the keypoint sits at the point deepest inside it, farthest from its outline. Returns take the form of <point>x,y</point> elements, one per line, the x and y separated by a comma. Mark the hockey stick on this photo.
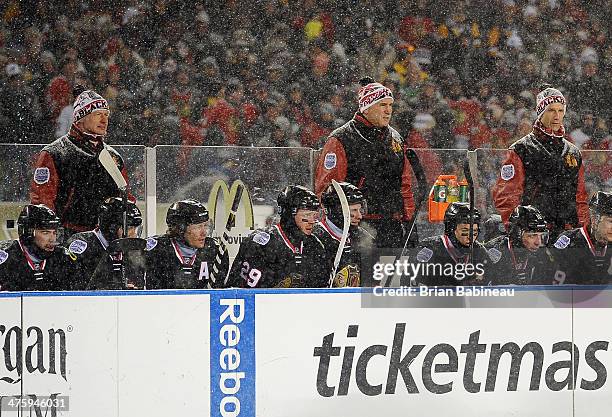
<point>467,171</point>
<point>110,166</point>
<point>346,217</point>
<point>229,224</point>
<point>419,173</point>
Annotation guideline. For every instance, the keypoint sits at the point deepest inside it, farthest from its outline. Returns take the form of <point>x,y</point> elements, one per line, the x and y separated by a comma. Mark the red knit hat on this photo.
<point>371,94</point>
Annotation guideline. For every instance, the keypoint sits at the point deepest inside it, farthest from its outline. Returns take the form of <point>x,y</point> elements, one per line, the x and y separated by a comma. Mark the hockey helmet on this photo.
<point>331,201</point>
<point>110,216</point>
<point>33,217</point>
<point>526,219</point>
<point>601,203</point>
<point>456,214</point>
<point>185,212</point>
<point>295,197</point>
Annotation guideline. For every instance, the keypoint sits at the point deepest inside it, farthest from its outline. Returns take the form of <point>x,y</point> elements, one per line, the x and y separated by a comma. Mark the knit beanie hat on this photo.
<point>546,97</point>
<point>371,93</point>
<point>87,101</point>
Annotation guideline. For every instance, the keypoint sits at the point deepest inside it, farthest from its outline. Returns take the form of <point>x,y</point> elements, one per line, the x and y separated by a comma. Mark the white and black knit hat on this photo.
<point>87,101</point>
<point>546,97</point>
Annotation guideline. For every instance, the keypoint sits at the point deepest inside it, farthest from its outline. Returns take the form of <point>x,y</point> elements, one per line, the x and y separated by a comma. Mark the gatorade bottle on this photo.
<point>439,193</point>
<point>464,194</point>
<point>453,191</point>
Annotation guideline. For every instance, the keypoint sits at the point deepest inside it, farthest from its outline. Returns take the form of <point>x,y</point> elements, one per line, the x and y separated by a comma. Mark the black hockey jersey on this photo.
<point>348,273</point>
<point>21,271</point>
<point>579,259</point>
<point>97,268</point>
<point>516,266</point>
<point>443,263</point>
<point>169,266</point>
<point>268,258</point>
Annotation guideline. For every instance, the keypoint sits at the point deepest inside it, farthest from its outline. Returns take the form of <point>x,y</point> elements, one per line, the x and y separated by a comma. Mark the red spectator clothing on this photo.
<point>467,116</point>
<point>312,134</point>
<point>428,157</point>
<point>412,29</point>
<point>69,179</point>
<point>301,114</point>
<point>373,159</point>
<point>181,100</point>
<point>500,138</point>
<point>230,120</point>
<point>191,135</point>
<point>598,164</point>
<point>546,172</point>
<point>59,95</point>
<point>603,145</point>
<point>481,137</point>
<point>486,137</point>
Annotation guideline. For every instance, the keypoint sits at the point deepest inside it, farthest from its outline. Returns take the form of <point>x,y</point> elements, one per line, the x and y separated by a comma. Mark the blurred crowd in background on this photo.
<point>285,72</point>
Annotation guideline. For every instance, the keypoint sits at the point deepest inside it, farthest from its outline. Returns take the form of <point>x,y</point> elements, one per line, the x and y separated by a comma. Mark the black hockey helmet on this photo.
<point>293,198</point>
<point>110,216</point>
<point>185,212</point>
<point>331,201</point>
<point>601,203</point>
<point>526,219</point>
<point>33,217</point>
<point>458,213</point>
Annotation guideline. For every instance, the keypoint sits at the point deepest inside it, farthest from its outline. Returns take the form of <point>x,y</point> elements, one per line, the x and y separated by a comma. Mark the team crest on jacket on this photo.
<point>41,175</point>
<point>563,242</point>
<point>151,243</point>
<point>330,160</point>
<point>396,145</point>
<point>424,255</point>
<point>507,172</point>
<point>495,255</point>
<point>78,246</point>
<point>571,161</point>
<point>3,256</point>
<point>262,238</point>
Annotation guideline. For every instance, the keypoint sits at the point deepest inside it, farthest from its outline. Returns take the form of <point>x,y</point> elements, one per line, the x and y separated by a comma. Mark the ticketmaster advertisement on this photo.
<point>302,353</point>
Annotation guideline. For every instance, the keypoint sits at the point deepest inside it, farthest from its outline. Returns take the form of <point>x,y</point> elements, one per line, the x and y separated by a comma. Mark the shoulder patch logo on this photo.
<point>41,175</point>
<point>563,242</point>
<point>571,161</point>
<point>424,255</point>
<point>396,145</point>
<point>495,255</point>
<point>78,247</point>
<point>507,172</point>
<point>3,256</point>
<point>330,160</point>
<point>151,243</point>
<point>262,238</point>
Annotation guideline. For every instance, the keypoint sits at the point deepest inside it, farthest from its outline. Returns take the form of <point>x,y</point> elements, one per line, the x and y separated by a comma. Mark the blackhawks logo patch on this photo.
<point>396,146</point>
<point>570,160</point>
